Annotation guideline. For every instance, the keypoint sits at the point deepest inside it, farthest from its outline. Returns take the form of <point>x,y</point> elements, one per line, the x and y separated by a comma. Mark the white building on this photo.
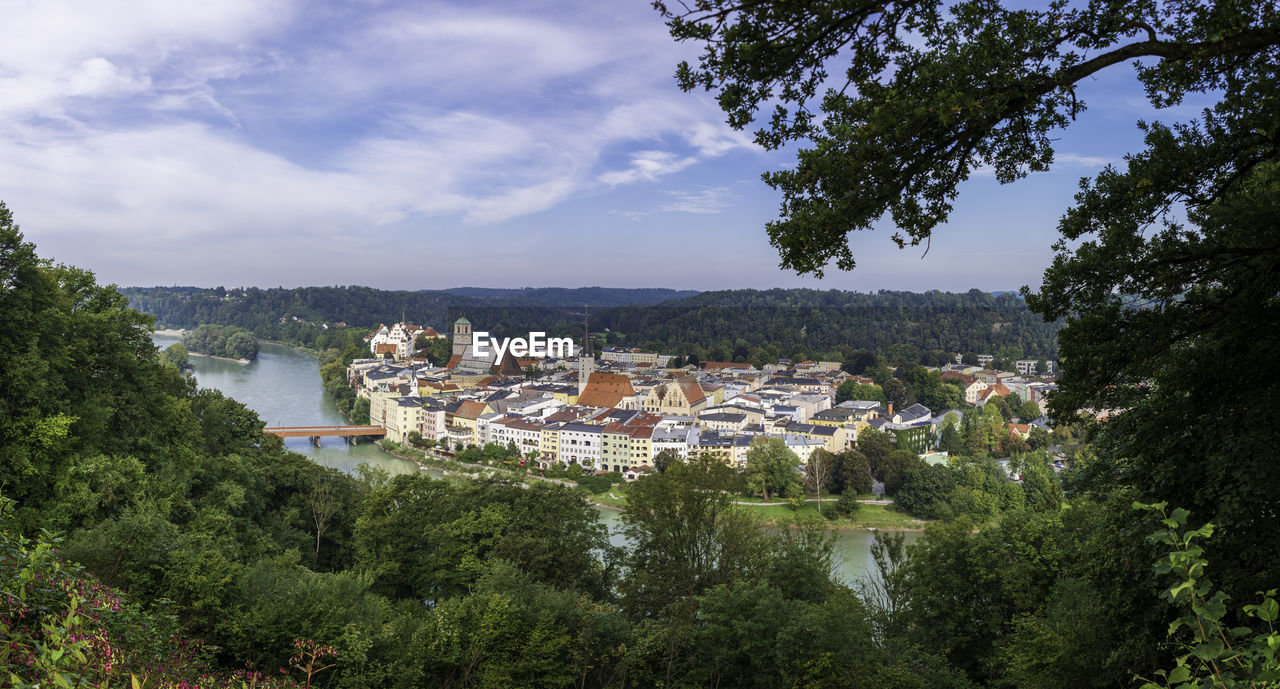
<point>580,444</point>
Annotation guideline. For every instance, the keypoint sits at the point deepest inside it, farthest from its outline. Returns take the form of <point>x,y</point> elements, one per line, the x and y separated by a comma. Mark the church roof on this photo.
<point>606,390</point>
<point>691,389</point>
<point>462,320</point>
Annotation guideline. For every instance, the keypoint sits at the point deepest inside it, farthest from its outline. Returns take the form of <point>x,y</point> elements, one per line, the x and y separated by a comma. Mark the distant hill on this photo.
<point>749,324</point>
<point>722,325</point>
<point>596,297</point>
<point>256,308</point>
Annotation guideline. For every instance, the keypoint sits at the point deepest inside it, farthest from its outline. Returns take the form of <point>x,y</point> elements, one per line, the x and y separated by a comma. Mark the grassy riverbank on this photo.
<point>871,516</point>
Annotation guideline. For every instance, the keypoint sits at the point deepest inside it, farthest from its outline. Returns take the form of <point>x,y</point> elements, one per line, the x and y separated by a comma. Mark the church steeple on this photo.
<point>461,336</point>
<point>586,361</point>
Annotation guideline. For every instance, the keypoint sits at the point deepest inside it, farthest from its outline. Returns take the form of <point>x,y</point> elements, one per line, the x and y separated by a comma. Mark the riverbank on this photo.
<point>170,333</point>
<point>874,515</point>
<point>219,358</point>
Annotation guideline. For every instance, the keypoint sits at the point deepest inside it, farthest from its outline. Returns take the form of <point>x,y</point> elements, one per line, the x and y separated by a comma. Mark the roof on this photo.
<point>470,409</point>
<point>713,365</point>
<point>730,417</point>
<point>462,320</point>
<point>606,390</point>
<point>692,390</point>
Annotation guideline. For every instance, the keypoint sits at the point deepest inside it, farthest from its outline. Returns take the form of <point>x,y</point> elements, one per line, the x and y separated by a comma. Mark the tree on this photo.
<point>1028,411</point>
<point>875,447</point>
<point>686,535</point>
<point>852,390</point>
<point>885,591</point>
<point>664,459</point>
<point>1162,324</point>
<point>818,472</point>
<point>1002,405</point>
<point>323,504</point>
<point>949,441</point>
<point>1039,438</point>
<point>1040,483</point>
<point>851,473</point>
<point>857,363</point>
<point>929,94</point>
<point>176,355</point>
<point>437,350</point>
<point>896,467</point>
<point>896,393</point>
<point>771,466</point>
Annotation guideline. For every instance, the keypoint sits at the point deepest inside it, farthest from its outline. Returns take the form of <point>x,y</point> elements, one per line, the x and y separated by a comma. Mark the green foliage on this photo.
<point>427,539</point>
<point>176,355</point>
<point>848,504</point>
<point>851,473</point>
<point>225,341</point>
<point>927,93</point>
<point>1167,318</point>
<point>771,467</point>
<point>437,350</point>
<point>664,459</point>
<point>1210,652</point>
<point>851,390</point>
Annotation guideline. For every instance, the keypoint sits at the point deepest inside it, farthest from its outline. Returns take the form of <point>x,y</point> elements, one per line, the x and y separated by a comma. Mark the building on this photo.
<point>628,357</point>
<point>679,397</point>
<point>608,390</point>
<point>1028,367</point>
<point>461,336</point>
<point>581,443</point>
<point>462,420</point>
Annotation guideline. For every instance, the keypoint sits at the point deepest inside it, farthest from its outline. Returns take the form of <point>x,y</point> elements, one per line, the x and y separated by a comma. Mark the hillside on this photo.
<point>730,324</point>
<point>574,297</point>
<point>793,321</point>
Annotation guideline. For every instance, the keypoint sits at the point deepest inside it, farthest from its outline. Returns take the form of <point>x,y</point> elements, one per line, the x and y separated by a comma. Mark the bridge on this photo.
<point>315,433</point>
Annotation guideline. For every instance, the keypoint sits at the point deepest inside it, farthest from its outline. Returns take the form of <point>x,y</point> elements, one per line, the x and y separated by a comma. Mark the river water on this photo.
<point>283,386</point>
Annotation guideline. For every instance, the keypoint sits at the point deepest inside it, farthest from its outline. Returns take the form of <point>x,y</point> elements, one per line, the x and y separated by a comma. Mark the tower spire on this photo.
<point>586,363</point>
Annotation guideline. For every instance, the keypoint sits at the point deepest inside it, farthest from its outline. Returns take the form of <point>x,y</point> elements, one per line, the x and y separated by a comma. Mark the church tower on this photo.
<point>461,336</point>
<point>586,360</point>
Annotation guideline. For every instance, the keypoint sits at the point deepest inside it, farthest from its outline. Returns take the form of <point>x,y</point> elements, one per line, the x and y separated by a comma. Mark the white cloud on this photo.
<point>702,202</point>
<point>159,128</point>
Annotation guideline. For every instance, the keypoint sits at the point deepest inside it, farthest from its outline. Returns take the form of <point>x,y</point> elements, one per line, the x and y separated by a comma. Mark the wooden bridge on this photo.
<point>315,433</point>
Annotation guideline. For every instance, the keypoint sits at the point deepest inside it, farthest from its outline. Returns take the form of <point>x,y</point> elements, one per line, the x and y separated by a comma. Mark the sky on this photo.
<point>423,145</point>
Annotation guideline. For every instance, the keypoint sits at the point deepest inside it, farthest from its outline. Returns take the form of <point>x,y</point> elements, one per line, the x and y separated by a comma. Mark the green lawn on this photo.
<point>869,516</point>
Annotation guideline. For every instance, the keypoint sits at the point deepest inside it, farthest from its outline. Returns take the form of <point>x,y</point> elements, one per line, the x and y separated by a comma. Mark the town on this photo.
<point>616,412</point>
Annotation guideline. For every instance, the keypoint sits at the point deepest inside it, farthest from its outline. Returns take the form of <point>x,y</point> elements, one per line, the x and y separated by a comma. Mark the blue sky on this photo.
<point>428,145</point>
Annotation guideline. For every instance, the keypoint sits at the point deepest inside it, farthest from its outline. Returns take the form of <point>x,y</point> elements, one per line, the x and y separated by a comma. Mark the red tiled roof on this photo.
<point>470,409</point>
<point>692,390</point>
<point>606,390</point>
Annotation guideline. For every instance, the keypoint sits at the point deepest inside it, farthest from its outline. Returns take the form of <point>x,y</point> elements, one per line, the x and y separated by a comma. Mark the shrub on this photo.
<point>848,504</point>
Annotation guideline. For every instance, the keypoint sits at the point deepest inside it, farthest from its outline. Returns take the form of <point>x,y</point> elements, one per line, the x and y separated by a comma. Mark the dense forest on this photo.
<point>595,297</point>
<point>738,325</point>
<point>718,325</point>
<point>221,340</point>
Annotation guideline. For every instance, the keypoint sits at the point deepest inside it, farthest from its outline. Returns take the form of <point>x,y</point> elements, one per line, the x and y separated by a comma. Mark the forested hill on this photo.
<point>257,309</point>
<point>574,297</point>
<point>786,322</point>
<point>735,324</point>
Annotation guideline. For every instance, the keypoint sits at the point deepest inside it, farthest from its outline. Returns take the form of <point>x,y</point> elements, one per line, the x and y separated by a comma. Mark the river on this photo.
<point>283,386</point>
